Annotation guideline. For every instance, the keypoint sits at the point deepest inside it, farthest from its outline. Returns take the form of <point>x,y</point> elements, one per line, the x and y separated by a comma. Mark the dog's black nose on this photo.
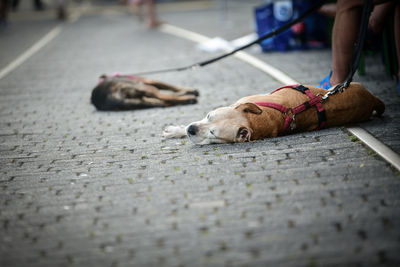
<point>192,129</point>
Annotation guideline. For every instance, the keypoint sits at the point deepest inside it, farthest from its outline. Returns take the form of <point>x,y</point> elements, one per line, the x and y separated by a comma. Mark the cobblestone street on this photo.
<point>79,187</point>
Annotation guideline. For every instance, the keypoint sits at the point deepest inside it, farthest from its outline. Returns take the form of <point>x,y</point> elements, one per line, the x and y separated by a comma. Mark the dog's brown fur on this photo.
<point>127,93</point>
<point>355,104</point>
<point>245,121</point>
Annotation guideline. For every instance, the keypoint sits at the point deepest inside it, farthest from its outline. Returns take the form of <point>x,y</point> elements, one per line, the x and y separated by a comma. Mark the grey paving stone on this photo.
<point>80,187</point>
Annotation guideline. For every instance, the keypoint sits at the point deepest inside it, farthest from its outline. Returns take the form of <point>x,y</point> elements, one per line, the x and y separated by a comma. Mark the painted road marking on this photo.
<point>380,148</point>
<point>50,36</point>
<point>30,51</point>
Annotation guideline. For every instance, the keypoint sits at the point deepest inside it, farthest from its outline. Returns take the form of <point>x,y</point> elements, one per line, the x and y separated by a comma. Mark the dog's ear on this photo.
<point>250,108</point>
<point>243,134</point>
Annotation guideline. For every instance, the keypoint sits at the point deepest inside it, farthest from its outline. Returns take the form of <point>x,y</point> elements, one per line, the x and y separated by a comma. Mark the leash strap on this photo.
<point>277,31</point>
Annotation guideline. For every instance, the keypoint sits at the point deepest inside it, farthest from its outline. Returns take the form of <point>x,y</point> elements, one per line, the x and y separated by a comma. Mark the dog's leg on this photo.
<point>176,100</point>
<point>114,103</point>
<point>174,131</point>
<point>166,86</point>
<point>151,102</point>
<point>153,92</point>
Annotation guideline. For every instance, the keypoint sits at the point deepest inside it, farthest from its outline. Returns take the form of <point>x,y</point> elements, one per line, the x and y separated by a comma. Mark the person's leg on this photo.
<point>379,16</point>
<point>62,13</point>
<point>153,22</point>
<point>344,35</point>
<point>328,10</point>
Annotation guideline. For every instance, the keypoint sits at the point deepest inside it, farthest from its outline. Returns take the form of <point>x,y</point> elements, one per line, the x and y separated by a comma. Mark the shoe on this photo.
<point>325,83</point>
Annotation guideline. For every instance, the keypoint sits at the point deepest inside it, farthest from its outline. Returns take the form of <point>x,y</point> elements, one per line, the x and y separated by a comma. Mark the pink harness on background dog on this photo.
<point>291,113</point>
<point>118,74</point>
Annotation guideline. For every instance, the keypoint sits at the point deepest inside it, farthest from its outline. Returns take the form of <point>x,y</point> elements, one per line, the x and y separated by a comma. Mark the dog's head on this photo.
<point>224,125</point>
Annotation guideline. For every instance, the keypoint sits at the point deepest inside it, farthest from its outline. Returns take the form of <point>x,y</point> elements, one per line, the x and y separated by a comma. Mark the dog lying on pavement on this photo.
<point>128,92</point>
<point>288,109</point>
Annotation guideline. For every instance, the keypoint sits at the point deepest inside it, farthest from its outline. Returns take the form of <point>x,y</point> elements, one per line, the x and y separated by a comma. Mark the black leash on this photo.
<point>311,10</point>
<point>367,9</point>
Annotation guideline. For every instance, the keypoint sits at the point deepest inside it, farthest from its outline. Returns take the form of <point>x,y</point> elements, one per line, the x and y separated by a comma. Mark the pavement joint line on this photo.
<point>380,148</point>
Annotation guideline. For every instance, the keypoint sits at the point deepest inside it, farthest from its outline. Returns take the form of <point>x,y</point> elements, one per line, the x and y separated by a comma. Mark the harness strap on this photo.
<point>320,109</point>
<point>290,113</point>
<point>285,86</point>
<point>276,106</point>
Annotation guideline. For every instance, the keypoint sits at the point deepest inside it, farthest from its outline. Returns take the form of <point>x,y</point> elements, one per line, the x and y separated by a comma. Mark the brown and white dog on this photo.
<point>128,92</point>
<point>246,121</point>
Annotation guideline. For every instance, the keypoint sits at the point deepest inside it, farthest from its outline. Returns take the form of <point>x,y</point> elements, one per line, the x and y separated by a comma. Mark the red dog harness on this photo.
<point>290,113</point>
<point>118,74</point>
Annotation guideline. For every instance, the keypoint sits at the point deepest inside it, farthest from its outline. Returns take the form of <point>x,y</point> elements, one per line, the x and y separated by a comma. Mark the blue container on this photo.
<point>265,22</point>
<point>310,33</point>
<point>283,14</point>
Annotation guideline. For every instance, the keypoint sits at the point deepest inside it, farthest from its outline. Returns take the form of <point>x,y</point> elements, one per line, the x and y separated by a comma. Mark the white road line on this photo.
<point>186,34</point>
<point>380,148</point>
<point>30,51</point>
<point>263,66</point>
<point>53,33</point>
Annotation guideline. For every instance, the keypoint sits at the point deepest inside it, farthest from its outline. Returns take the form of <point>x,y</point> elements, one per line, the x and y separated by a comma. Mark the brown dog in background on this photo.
<point>128,92</point>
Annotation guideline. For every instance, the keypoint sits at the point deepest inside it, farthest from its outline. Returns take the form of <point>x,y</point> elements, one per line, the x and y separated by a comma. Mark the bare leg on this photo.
<point>153,22</point>
<point>345,31</point>
<point>61,10</point>
<point>138,7</point>
<point>379,15</point>
<point>378,19</point>
<point>328,10</point>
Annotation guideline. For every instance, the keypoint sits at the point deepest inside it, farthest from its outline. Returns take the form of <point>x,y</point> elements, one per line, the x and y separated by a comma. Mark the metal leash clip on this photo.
<point>325,96</point>
<point>338,88</point>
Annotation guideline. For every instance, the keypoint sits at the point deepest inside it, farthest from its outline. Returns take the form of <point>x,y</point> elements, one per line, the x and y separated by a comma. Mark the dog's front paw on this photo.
<point>174,131</point>
<point>192,101</point>
<point>192,92</point>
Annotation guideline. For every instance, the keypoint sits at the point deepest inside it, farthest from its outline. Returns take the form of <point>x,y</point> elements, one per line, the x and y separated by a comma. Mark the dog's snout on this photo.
<point>192,129</point>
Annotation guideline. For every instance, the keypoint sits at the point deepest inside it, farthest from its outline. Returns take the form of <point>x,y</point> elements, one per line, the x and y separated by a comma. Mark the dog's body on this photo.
<point>246,121</point>
<point>127,92</point>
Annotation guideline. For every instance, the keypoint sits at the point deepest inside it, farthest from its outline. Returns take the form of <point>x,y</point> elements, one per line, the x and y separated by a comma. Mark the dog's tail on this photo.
<point>379,107</point>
